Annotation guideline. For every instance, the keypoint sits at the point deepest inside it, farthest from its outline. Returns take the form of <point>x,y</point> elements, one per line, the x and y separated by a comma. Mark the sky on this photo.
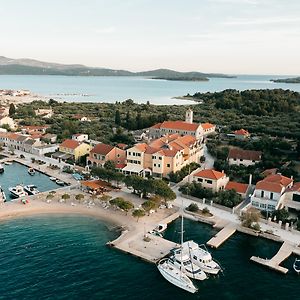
<point>226,36</point>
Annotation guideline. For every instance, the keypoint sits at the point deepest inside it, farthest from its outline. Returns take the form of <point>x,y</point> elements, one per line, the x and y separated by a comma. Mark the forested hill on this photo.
<point>254,102</point>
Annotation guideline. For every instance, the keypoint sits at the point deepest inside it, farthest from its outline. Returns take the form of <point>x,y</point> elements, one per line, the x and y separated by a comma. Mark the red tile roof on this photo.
<point>142,147</point>
<point>207,126</point>
<point>240,188</point>
<point>269,186</point>
<point>102,149</point>
<point>242,132</point>
<point>179,125</point>
<point>244,154</point>
<point>278,178</point>
<point>295,187</point>
<point>70,144</point>
<point>274,183</point>
<point>210,174</point>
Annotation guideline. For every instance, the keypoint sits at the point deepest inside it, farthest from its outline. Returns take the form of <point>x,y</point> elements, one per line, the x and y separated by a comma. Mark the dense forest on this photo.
<point>254,102</point>
<point>110,122</point>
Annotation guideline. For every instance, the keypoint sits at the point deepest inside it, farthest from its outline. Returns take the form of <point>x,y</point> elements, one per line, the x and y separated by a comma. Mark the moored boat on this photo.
<point>53,178</point>
<point>1,169</point>
<point>296,265</point>
<point>31,171</point>
<point>31,189</point>
<point>175,275</point>
<point>17,191</point>
<point>188,267</point>
<point>59,182</point>
<point>201,257</point>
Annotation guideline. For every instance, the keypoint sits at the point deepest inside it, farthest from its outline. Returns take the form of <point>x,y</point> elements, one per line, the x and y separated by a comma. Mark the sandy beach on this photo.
<point>6,100</point>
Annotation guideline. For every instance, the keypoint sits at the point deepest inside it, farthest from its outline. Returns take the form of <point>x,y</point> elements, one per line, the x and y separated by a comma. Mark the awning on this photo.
<point>133,169</point>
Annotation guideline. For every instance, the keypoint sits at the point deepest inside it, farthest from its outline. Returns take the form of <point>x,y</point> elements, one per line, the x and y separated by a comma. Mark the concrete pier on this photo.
<point>147,246</point>
<point>222,236</point>
<point>274,263</point>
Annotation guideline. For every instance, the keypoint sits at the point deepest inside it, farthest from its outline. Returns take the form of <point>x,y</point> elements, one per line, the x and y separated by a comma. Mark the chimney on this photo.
<point>250,179</point>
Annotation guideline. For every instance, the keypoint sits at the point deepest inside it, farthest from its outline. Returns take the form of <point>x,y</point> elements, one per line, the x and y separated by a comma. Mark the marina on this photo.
<point>16,174</point>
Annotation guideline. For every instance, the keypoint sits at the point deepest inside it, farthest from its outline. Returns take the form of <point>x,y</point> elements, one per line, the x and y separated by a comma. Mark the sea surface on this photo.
<point>16,174</point>
<point>140,89</point>
<point>65,257</point>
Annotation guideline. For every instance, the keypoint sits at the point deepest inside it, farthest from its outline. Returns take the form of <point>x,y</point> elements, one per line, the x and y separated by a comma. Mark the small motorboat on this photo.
<point>31,189</point>
<point>296,265</point>
<point>52,178</point>
<point>17,191</point>
<point>31,171</point>
<point>59,182</point>
<point>1,169</point>
<point>160,228</point>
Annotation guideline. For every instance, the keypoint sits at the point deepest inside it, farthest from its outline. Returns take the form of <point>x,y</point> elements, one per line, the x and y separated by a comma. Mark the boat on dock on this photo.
<point>296,265</point>
<point>1,169</point>
<point>201,257</point>
<point>31,171</point>
<point>175,275</point>
<point>2,195</point>
<point>17,191</point>
<point>31,189</point>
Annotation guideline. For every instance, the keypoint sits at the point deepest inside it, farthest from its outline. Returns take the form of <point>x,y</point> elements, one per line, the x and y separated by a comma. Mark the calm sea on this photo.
<point>140,89</point>
<point>55,257</point>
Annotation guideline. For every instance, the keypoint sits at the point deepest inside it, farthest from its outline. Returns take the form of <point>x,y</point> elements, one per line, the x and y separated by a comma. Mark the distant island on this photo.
<point>25,66</point>
<point>287,80</point>
<point>183,78</point>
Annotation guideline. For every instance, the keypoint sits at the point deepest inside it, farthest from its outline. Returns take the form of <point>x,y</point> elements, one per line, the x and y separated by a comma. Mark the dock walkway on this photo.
<point>222,236</point>
<point>146,246</point>
<point>274,263</point>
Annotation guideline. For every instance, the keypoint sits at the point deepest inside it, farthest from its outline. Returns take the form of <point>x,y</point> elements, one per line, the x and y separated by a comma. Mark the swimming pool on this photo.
<point>17,173</point>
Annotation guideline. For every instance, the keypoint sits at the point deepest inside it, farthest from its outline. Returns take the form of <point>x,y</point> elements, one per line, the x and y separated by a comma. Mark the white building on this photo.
<point>269,192</point>
<point>211,179</point>
<point>80,137</point>
<point>246,158</point>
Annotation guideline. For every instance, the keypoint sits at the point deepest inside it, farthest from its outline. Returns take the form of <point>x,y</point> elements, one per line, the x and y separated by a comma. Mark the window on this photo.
<point>129,153</point>
<point>262,194</point>
<point>160,158</point>
<point>209,181</point>
<point>154,165</point>
<point>133,153</point>
<point>241,159</point>
<point>168,165</point>
<point>200,180</point>
<point>271,196</point>
<point>118,155</point>
<point>158,165</point>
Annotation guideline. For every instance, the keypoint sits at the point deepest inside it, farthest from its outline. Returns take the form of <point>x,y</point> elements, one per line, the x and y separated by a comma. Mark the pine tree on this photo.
<point>117,117</point>
<point>12,109</point>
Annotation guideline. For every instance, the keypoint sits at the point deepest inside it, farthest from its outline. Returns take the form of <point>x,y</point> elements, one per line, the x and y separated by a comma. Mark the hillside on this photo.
<point>26,66</point>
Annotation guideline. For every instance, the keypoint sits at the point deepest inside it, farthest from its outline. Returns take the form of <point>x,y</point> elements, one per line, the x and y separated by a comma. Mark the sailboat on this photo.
<point>176,274</point>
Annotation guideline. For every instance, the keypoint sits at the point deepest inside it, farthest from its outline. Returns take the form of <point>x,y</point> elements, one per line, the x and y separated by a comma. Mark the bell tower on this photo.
<point>189,116</point>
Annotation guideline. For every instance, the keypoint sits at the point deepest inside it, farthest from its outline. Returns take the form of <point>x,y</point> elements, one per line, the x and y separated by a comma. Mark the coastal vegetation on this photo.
<point>250,219</point>
<point>186,170</point>
<point>226,198</point>
<point>287,80</point>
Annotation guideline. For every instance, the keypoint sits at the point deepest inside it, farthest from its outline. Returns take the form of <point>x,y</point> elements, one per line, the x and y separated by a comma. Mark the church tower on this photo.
<point>189,116</point>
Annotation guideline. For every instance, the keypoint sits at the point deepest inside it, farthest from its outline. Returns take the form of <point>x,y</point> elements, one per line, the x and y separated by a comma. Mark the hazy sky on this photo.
<point>229,36</point>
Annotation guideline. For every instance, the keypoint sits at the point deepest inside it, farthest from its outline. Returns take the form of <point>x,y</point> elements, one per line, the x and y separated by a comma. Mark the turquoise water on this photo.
<point>55,257</point>
<point>140,89</point>
<point>16,173</point>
